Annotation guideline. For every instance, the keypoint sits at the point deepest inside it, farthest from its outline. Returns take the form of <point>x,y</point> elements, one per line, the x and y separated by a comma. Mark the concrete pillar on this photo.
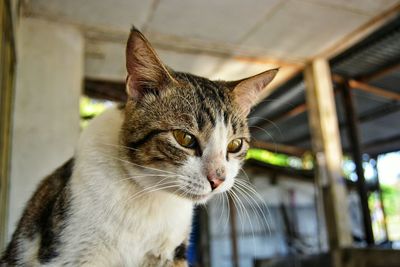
<point>49,74</point>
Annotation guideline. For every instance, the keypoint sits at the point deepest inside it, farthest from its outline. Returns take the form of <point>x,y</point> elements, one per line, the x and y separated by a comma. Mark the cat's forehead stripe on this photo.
<point>205,107</point>
<point>213,101</point>
<point>226,117</point>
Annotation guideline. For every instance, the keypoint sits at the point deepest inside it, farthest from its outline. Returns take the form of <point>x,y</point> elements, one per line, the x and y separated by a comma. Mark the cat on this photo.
<point>126,198</point>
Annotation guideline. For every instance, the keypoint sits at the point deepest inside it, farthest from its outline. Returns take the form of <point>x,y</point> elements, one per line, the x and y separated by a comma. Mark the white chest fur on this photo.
<point>111,224</point>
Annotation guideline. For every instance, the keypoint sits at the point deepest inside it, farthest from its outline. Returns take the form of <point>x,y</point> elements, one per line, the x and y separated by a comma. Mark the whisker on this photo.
<point>190,181</point>
<point>221,200</point>
<point>267,133</point>
<point>259,212</point>
<point>141,176</point>
<point>254,191</point>
<point>249,219</point>
<point>269,121</point>
<point>119,146</point>
<point>138,165</point>
<point>153,189</point>
<point>238,209</point>
<point>225,196</point>
<point>244,172</point>
<point>138,194</point>
<point>246,185</point>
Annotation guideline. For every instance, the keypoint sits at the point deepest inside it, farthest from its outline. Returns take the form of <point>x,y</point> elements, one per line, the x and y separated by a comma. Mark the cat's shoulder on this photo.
<point>43,216</point>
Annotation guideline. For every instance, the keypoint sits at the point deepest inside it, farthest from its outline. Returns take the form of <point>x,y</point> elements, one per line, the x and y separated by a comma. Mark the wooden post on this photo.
<point>7,68</point>
<point>328,154</point>
<point>3,138</point>
<point>354,138</point>
<point>234,245</point>
<point>204,246</point>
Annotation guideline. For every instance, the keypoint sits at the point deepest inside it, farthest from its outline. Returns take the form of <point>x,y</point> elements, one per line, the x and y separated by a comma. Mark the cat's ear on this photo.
<point>247,92</point>
<point>146,72</point>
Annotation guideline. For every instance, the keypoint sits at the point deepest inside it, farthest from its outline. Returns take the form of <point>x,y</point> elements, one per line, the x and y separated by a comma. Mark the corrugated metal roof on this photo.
<point>378,50</point>
<point>379,116</point>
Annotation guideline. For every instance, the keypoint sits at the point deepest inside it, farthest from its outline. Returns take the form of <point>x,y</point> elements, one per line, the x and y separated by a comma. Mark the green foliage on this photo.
<point>279,159</point>
<point>90,108</point>
<point>391,199</point>
<point>267,157</point>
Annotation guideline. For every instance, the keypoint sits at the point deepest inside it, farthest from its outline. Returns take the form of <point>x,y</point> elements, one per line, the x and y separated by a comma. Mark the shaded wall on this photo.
<point>46,115</point>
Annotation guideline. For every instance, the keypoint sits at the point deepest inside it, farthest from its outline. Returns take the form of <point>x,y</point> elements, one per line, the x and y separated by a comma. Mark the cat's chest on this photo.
<point>157,234</point>
<point>150,241</point>
<point>133,234</point>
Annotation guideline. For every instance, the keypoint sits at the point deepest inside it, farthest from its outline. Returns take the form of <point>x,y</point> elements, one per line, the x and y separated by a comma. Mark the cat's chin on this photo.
<point>201,199</point>
<point>196,198</point>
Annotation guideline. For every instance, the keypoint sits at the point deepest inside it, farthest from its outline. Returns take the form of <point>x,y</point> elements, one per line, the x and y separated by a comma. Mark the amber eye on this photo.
<point>184,139</point>
<point>235,145</point>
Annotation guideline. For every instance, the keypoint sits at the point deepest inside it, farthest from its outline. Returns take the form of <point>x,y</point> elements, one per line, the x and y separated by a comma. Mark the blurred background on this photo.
<point>324,167</point>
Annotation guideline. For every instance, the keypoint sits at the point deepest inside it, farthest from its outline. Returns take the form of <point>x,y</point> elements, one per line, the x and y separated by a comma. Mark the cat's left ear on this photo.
<point>146,72</point>
<point>247,92</point>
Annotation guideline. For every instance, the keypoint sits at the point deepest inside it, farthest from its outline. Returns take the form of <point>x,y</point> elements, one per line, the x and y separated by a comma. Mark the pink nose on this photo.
<point>216,178</point>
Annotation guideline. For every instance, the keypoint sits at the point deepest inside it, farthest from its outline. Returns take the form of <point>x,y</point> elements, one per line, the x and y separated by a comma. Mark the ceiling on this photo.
<point>225,39</point>
<point>232,39</point>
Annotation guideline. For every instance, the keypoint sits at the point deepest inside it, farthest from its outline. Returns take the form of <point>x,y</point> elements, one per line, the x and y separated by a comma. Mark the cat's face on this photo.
<point>188,133</point>
<point>193,132</point>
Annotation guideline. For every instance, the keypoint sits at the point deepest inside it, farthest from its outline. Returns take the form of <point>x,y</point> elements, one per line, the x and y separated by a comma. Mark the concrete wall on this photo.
<point>46,117</point>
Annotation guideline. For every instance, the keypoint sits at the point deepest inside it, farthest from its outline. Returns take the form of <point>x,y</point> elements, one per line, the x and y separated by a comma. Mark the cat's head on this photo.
<point>188,133</point>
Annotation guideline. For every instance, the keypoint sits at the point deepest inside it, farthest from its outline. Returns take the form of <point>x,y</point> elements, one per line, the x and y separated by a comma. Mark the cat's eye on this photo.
<point>235,145</point>
<point>184,139</point>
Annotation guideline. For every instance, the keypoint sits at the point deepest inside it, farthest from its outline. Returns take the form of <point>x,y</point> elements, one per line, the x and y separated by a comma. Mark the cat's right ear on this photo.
<point>248,92</point>
<point>146,72</point>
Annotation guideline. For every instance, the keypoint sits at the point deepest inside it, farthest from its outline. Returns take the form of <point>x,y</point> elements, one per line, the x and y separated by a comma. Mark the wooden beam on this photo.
<point>291,113</point>
<point>355,148</point>
<point>370,257</point>
<point>360,85</point>
<point>354,84</point>
<point>261,168</point>
<point>301,108</point>
<point>279,148</point>
<point>255,167</point>
<point>370,115</point>
<point>328,153</point>
<point>269,61</point>
<point>106,90</point>
<point>360,33</point>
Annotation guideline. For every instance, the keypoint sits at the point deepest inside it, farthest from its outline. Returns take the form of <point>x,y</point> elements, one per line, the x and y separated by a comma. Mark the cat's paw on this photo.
<point>180,263</point>
<point>152,260</point>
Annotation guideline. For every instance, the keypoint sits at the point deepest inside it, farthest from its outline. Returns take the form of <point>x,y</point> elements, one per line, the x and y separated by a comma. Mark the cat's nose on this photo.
<point>216,179</point>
